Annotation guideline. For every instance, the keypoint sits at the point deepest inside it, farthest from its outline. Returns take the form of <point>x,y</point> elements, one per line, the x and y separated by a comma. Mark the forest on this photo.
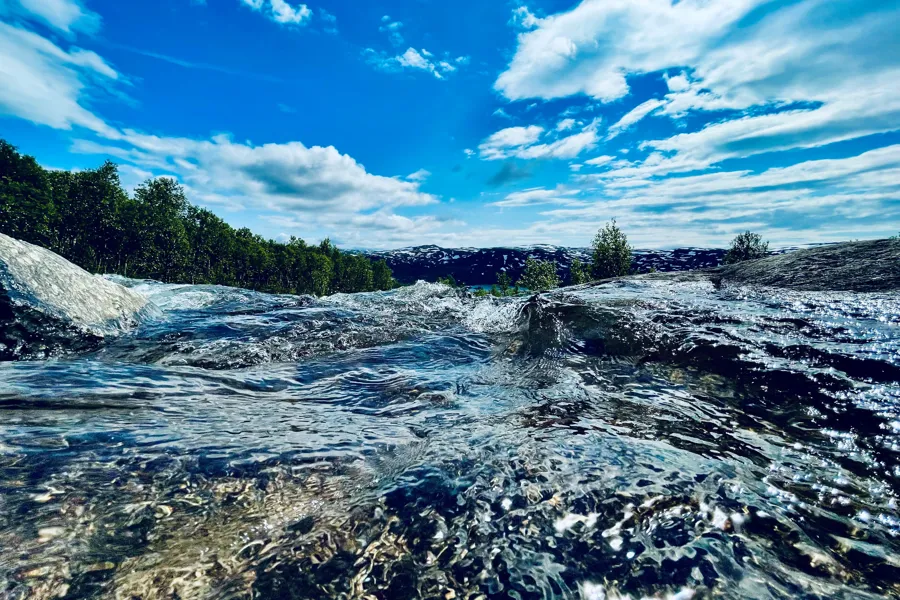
<point>89,219</point>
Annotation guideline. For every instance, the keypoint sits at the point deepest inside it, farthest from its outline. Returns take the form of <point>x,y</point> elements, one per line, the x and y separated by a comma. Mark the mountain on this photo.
<point>480,266</point>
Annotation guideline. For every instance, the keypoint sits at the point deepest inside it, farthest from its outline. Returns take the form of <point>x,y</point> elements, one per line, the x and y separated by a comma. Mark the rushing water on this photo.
<point>639,440</point>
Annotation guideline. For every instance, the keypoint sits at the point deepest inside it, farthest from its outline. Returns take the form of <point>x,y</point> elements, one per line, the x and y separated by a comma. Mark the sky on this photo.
<point>384,124</point>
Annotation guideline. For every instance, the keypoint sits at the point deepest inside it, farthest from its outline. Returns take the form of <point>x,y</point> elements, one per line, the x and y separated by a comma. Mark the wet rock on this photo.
<point>871,266</point>
<point>47,304</point>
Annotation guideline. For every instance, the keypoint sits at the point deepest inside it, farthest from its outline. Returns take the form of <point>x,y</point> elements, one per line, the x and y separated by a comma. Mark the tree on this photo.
<point>382,278</point>
<point>578,273</point>
<point>746,246</point>
<point>504,284</point>
<point>612,253</point>
<point>539,275</point>
<point>163,208</point>
<point>26,206</point>
<point>89,219</point>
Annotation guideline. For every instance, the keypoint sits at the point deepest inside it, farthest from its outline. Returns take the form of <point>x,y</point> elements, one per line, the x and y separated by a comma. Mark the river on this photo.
<point>641,439</point>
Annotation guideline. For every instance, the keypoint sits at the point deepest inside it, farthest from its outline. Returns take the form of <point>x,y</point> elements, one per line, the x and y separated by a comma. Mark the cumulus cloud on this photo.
<point>419,60</point>
<point>281,11</point>
<point>523,18</point>
<point>290,176</point>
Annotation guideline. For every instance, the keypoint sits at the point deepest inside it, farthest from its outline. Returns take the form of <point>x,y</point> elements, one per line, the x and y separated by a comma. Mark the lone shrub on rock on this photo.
<point>539,275</point>
<point>746,246</point>
<point>612,253</point>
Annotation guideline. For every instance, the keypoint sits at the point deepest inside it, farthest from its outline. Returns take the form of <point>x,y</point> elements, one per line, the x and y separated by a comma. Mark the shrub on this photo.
<point>578,273</point>
<point>539,275</point>
<point>612,254</point>
<point>504,284</point>
<point>449,280</point>
<point>746,246</point>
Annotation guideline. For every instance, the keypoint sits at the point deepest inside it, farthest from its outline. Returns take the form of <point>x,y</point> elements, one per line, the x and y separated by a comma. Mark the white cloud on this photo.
<point>537,196</point>
<point>392,28</point>
<point>414,59</point>
<point>498,144</point>
<point>816,200</point>
<point>521,142</point>
<point>633,116</point>
<point>280,176</point>
<point>524,18</point>
<point>565,125</point>
<point>677,83</point>
<point>48,85</point>
<point>840,58</point>
<point>420,60</point>
<point>419,176</point>
<point>66,16</point>
<point>600,160</point>
<point>281,11</point>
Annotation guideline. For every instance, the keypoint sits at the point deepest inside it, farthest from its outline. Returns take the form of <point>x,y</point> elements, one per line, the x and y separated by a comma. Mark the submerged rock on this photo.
<point>47,304</point>
<point>871,266</point>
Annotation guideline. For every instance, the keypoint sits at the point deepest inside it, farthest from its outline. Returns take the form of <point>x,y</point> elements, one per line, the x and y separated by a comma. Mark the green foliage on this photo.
<point>481,293</point>
<point>539,275</point>
<point>504,284</point>
<point>612,253</point>
<point>87,218</point>
<point>578,273</point>
<point>449,280</point>
<point>26,199</point>
<point>746,246</point>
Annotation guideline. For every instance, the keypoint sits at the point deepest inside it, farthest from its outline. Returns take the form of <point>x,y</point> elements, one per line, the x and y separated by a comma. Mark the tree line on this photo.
<point>89,219</point>
<point>612,257</point>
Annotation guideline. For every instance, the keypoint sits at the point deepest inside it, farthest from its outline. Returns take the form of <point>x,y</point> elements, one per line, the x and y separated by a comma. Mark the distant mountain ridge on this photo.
<point>480,266</point>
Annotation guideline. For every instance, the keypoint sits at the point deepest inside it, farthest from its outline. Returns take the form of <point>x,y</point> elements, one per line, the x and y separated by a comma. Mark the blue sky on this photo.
<point>476,123</point>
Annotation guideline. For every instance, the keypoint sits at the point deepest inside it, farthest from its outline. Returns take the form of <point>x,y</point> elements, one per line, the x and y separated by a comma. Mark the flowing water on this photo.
<point>647,439</point>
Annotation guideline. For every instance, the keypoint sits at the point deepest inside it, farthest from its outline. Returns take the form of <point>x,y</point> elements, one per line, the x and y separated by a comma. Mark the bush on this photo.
<point>612,254</point>
<point>746,246</point>
<point>539,275</point>
<point>504,284</point>
<point>578,273</point>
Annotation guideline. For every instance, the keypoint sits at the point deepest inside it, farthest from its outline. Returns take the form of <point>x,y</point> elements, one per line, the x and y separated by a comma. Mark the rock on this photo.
<point>48,305</point>
<point>871,266</point>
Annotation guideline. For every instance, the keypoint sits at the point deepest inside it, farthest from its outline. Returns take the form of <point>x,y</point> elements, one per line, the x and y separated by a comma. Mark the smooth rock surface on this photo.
<point>48,303</point>
<point>870,266</point>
